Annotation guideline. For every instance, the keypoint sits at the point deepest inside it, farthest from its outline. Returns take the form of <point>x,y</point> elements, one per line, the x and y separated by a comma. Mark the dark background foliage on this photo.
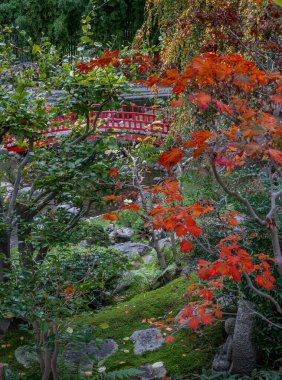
<point>114,21</point>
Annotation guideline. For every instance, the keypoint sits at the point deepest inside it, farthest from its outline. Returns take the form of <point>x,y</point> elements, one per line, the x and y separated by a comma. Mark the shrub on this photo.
<point>93,232</point>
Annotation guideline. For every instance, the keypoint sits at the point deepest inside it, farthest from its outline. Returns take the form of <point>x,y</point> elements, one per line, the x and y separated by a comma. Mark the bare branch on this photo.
<point>264,318</point>
<point>262,294</point>
<point>236,195</point>
<point>272,211</point>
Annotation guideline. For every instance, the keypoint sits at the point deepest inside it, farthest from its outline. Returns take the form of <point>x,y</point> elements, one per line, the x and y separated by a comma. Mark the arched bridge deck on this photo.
<point>129,123</point>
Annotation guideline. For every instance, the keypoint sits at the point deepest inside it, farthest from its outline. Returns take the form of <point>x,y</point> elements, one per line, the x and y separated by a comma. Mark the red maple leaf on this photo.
<point>170,157</point>
<point>185,246</point>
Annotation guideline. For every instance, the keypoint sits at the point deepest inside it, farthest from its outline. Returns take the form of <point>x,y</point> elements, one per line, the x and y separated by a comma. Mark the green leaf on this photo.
<point>86,39</point>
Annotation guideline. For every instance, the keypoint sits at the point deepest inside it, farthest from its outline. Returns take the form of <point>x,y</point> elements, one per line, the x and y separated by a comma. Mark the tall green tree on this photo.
<point>117,21</point>
<point>57,19</point>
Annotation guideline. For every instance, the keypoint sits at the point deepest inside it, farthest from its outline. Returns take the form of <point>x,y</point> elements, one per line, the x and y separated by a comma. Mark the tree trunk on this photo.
<point>160,255</point>
<point>25,247</point>
<point>174,252</point>
<point>2,371</point>
<point>5,255</point>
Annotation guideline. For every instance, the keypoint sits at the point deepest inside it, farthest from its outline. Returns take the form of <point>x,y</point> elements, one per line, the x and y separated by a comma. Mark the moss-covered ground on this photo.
<point>189,353</point>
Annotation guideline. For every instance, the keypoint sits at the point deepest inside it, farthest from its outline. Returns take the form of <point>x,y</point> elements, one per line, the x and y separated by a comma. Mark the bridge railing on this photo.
<point>131,122</point>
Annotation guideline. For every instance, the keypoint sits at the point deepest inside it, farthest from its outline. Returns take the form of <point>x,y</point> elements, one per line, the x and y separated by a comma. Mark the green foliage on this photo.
<point>59,20</point>
<point>122,374</point>
<point>133,220</point>
<point>69,280</point>
<point>114,22</point>
<point>257,375</point>
<point>117,375</point>
<point>93,232</point>
<point>117,21</point>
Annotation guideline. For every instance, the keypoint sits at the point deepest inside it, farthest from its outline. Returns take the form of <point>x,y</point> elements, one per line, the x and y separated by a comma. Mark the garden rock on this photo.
<point>243,348</point>
<point>6,189</point>
<point>26,356</point>
<point>4,325</point>
<point>132,249</point>
<point>69,208</point>
<point>102,351</point>
<point>164,243</point>
<point>83,355</point>
<point>223,358</point>
<point>148,259</point>
<point>83,243</point>
<point>4,151</point>
<point>155,371</point>
<point>121,235</point>
<point>147,340</point>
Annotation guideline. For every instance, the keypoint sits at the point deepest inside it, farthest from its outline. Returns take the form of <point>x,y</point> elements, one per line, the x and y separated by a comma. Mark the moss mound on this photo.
<point>189,353</point>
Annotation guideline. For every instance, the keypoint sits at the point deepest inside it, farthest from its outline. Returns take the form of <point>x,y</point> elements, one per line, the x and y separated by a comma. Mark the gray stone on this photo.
<point>147,340</point>
<point>4,151</point>
<point>83,243</point>
<point>26,356</point>
<point>75,356</point>
<point>165,243</point>
<point>69,208</point>
<point>132,249</point>
<point>6,189</point>
<point>25,190</point>
<point>148,259</point>
<point>227,302</point>
<point>122,287</point>
<point>4,325</point>
<point>121,235</point>
<point>223,358</point>
<point>243,348</point>
<point>110,228</point>
<point>103,350</point>
<point>155,371</point>
<point>83,355</point>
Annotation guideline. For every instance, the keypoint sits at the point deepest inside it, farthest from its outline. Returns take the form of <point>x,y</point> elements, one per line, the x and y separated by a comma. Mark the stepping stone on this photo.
<point>147,340</point>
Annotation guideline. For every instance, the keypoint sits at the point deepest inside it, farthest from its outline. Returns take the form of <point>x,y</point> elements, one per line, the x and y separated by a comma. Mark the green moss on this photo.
<point>188,354</point>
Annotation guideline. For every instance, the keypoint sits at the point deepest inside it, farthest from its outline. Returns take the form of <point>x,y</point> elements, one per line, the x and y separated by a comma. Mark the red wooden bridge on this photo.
<point>129,123</point>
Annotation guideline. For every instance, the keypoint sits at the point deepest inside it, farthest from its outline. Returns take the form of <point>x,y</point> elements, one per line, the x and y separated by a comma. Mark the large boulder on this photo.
<point>147,340</point>
<point>132,249</point>
<point>82,355</point>
<point>155,371</point>
<point>243,348</point>
<point>26,356</point>
<point>121,235</point>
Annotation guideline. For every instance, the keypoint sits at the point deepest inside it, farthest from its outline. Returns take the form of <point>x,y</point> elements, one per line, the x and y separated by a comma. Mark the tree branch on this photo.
<point>273,209</point>
<point>18,179</point>
<point>262,294</point>
<point>94,124</point>
<point>264,318</point>
<point>236,195</point>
